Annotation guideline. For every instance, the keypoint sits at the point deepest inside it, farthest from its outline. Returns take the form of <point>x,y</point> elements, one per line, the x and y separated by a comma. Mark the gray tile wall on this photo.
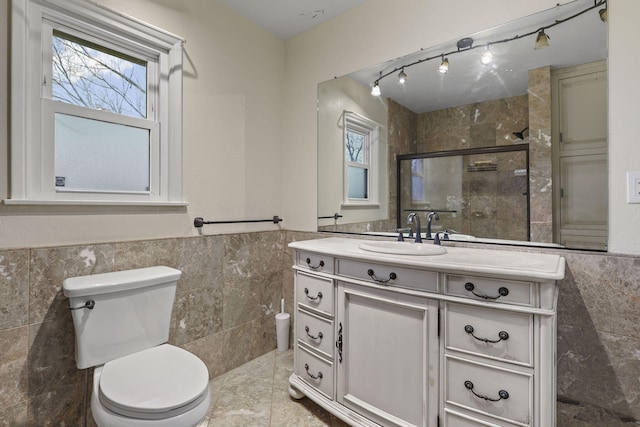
<point>224,312</point>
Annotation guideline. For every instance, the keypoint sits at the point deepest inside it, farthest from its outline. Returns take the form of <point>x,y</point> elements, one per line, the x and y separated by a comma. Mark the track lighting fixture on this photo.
<point>542,40</point>
<point>603,14</point>
<point>402,77</point>
<point>466,44</point>
<point>375,90</point>
<point>486,57</point>
<point>444,66</point>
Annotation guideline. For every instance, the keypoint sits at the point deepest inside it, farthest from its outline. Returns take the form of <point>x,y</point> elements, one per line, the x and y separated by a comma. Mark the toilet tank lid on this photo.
<point>117,281</point>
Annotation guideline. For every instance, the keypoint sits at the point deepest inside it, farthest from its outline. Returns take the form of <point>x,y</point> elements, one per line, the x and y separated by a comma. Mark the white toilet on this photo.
<point>122,325</point>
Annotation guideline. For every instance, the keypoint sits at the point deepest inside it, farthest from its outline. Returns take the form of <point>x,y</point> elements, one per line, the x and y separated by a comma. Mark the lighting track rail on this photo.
<point>466,44</point>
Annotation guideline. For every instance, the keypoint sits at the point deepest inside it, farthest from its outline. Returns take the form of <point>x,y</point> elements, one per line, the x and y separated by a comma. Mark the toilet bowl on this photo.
<point>122,322</point>
<point>161,386</point>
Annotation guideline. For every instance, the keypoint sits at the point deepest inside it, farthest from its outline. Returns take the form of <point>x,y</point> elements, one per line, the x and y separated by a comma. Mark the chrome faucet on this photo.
<point>430,217</point>
<point>413,217</point>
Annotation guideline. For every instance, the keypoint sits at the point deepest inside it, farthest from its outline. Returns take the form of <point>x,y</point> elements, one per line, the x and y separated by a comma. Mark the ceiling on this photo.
<point>286,18</point>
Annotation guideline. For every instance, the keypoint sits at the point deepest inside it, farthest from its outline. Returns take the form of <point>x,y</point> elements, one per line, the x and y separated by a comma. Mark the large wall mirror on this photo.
<point>534,88</point>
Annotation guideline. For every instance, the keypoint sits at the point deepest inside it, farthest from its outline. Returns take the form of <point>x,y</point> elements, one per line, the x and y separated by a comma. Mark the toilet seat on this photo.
<point>157,383</point>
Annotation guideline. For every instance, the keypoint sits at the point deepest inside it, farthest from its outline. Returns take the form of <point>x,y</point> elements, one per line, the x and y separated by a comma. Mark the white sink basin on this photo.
<point>403,248</point>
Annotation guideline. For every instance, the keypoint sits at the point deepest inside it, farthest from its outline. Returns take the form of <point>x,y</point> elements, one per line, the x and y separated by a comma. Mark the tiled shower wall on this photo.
<point>224,312</point>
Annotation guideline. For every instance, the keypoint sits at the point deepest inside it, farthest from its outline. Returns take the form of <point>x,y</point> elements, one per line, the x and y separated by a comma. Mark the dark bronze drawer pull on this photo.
<point>316,298</point>
<point>392,276</point>
<point>503,292</point>
<point>315,267</point>
<point>503,394</point>
<point>502,335</point>
<point>315,377</point>
<point>317,337</point>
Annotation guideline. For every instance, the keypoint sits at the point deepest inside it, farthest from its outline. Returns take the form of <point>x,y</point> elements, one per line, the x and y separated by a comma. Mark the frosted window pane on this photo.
<point>95,155</point>
<point>357,183</point>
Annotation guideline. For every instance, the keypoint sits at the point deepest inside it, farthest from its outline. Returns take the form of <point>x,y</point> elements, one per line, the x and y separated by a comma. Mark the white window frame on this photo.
<point>360,124</point>
<point>32,109</point>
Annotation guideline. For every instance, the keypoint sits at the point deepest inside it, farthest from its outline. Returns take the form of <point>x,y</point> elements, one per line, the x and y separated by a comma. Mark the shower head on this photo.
<point>520,135</point>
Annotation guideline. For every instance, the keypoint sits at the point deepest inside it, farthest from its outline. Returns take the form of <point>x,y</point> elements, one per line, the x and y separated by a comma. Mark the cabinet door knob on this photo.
<point>502,292</point>
<point>502,394</point>
<point>502,335</point>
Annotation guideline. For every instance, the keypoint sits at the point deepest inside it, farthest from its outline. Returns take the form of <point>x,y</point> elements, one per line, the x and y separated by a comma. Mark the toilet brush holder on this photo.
<point>282,330</point>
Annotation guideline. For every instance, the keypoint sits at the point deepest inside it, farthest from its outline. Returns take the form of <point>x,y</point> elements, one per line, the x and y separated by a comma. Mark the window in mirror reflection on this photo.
<point>417,181</point>
<point>360,152</point>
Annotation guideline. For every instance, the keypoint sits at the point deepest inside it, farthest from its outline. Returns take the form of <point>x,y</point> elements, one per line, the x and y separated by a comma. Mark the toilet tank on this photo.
<point>131,312</point>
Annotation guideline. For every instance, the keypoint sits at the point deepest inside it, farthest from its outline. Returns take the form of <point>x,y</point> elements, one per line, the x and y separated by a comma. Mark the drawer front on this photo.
<point>314,293</point>
<point>499,392</point>
<point>492,333</point>
<point>316,371</point>
<point>388,275</point>
<point>456,419</point>
<point>493,290</point>
<point>316,332</point>
<point>315,262</point>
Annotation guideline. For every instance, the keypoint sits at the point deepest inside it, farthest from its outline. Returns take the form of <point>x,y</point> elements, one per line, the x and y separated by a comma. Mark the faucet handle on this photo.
<point>402,230</point>
<point>436,238</point>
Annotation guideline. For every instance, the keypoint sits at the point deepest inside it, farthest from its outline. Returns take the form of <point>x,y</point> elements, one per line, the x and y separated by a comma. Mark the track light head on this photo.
<point>542,40</point>
<point>402,77</point>
<point>486,57</point>
<point>603,14</point>
<point>444,66</point>
<point>375,90</point>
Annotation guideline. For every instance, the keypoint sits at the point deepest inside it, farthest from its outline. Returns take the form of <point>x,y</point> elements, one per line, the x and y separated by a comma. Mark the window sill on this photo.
<point>92,203</point>
<point>360,205</point>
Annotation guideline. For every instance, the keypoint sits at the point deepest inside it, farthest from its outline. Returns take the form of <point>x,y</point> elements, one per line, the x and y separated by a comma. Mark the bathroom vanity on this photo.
<point>400,335</point>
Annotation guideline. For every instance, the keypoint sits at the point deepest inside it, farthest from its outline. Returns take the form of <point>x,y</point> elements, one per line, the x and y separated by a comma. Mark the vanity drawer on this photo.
<point>492,290</point>
<point>315,262</point>
<point>316,332</point>
<point>389,276</point>
<point>456,419</point>
<point>314,293</point>
<point>491,333</point>
<point>502,393</point>
<point>315,370</point>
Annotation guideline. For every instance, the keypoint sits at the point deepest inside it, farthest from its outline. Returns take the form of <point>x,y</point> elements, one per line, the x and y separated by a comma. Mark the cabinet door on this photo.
<point>388,362</point>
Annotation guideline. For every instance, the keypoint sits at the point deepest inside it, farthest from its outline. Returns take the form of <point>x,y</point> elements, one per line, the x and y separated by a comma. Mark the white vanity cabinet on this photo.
<point>466,338</point>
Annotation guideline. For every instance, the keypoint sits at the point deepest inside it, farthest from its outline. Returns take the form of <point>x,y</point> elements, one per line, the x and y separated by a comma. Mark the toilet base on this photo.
<point>106,418</point>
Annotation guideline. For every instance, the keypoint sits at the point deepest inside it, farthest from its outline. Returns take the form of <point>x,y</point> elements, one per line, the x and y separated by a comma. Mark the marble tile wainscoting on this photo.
<point>224,313</point>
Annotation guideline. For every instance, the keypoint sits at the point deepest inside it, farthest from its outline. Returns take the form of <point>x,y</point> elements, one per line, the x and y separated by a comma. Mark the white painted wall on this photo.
<point>233,89</point>
<point>381,30</point>
<point>624,123</point>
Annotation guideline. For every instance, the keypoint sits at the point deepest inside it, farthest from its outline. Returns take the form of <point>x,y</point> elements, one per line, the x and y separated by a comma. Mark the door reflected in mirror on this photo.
<point>551,100</point>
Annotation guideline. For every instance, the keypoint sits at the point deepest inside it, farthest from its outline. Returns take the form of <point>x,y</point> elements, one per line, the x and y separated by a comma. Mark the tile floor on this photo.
<point>256,395</point>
